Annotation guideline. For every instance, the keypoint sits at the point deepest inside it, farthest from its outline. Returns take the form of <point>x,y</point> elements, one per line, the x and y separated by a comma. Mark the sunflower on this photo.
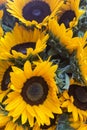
<point>75,101</point>
<point>21,43</point>
<point>36,92</point>
<point>80,59</point>
<point>36,12</point>
<point>62,36</point>
<point>5,69</point>
<point>70,13</point>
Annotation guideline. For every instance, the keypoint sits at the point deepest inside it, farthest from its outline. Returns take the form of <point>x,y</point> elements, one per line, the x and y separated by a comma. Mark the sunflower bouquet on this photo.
<point>43,65</point>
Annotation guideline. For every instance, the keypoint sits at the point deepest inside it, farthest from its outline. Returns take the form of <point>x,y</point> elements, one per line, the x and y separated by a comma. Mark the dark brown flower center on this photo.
<point>80,96</point>
<point>23,47</point>
<point>36,10</point>
<point>35,90</point>
<point>67,17</point>
<point>6,79</point>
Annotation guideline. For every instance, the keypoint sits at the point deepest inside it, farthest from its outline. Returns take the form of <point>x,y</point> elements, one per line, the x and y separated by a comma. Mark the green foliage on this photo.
<point>63,123</point>
<point>62,79</point>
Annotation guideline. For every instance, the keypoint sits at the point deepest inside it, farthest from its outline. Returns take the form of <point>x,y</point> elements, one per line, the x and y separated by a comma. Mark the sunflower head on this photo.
<point>75,102</point>
<point>70,13</point>
<point>36,12</point>
<point>79,99</point>
<point>62,39</point>
<point>78,60</point>
<point>36,89</point>
<point>22,43</point>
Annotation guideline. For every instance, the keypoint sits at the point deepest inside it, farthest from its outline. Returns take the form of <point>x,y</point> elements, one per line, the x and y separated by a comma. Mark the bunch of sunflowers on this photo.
<point>43,65</point>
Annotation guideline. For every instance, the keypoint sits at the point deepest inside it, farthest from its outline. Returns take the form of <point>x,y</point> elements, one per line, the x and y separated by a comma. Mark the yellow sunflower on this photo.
<point>34,95</point>
<point>75,101</point>
<point>70,13</point>
<point>63,36</point>
<point>21,43</point>
<point>5,69</point>
<point>81,58</point>
<point>36,12</point>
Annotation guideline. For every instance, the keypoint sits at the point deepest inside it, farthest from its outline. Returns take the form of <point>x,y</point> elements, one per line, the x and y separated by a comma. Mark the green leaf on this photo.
<point>63,123</point>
